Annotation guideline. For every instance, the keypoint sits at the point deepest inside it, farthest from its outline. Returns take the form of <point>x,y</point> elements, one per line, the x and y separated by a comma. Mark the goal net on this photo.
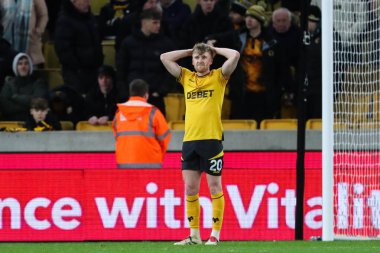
<point>356,117</point>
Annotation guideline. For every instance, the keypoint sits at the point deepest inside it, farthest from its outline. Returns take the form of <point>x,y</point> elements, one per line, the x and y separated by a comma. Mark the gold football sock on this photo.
<point>217,210</point>
<point>193,210</point>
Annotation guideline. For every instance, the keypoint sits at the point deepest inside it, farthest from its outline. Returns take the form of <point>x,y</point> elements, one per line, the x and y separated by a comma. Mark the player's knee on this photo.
<point>191,190</point>
<point>215,188</point>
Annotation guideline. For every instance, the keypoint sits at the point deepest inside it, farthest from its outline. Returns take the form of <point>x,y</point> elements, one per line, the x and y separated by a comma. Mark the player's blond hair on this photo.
<point>202,48</point>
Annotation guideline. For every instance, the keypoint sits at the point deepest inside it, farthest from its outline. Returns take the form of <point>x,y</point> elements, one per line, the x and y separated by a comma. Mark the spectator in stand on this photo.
<point>111,15</point>
<point>253,87</point>
<point>24,23</point>
<point>289,39</point>
<point>100,103</point>
<point>18,91</point>
<point>131,23</point>
<point>78,45</point>
<point>67,104</point>
<point>141,131</point>
<point>139,57</point>
<point>7,55</point>
<point>313,91</point>
<point>175,12</point>
<point>41,118</point>
<point>237,14</point>
<point>208,18</point>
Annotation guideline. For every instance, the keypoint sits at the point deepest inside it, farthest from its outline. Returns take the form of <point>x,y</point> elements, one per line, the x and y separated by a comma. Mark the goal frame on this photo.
<point>327,122</point>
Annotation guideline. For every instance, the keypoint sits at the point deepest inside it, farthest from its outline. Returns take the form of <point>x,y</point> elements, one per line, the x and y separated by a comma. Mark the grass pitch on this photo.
<point>231,246</point>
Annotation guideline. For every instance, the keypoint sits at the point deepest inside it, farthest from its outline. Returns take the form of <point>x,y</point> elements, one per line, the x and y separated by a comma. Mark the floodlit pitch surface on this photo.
<point>166,246</point>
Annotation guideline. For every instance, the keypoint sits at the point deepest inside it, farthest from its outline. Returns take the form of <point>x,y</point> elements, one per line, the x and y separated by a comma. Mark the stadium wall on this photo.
<point>64,186</point>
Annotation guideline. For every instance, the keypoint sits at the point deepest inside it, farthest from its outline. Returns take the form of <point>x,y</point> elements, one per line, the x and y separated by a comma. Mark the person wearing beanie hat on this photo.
<point>18,91</point>
<point>100,102</point>
<point>257,12</point>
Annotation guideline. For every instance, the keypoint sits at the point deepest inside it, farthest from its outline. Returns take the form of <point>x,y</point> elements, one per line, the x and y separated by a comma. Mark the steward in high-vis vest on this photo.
<point>141,132</point>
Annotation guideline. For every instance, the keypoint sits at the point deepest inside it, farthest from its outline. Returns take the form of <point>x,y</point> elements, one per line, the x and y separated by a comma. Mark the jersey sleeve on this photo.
<point>184,72</point>
<point>222,79</point>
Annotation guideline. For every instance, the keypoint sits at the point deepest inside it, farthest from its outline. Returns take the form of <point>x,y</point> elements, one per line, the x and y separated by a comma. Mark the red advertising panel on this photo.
<point>41,206</point>
<point>232,160</point>
<point>149,205</point>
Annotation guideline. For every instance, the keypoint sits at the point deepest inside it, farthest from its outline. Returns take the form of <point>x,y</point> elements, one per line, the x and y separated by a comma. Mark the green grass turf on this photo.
<point>147,247</point>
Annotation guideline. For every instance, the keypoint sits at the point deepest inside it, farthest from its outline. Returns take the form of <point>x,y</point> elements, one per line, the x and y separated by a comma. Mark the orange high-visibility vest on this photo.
<point>142,134</point>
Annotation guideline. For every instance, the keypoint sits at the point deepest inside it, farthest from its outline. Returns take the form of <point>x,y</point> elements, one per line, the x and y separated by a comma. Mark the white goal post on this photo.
<point>351,119</point>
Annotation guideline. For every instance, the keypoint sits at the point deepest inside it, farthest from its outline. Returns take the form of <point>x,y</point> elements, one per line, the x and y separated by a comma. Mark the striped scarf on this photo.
<point>16,17</point>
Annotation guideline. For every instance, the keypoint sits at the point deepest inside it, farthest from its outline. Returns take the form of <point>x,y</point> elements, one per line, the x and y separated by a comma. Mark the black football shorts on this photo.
<point>203,155</point>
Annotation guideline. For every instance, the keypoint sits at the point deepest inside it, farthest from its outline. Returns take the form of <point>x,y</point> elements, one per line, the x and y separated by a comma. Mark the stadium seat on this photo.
<point>278,124</point>
<point>67,125</point>
<point>227,124</point>
<point>85,126</point>
<point>11,124</point>
<point>175,106</point>
<point>376,106</point>
<point>108,47</point>
<point>51,58</point>
<point>237,124</point>
<point>226,108</point>
<point>52,76</point>
<point>314,124</point>
<point>177,125</point>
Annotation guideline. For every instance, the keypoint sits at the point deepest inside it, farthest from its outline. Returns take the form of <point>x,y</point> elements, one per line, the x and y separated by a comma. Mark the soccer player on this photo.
<point>202,149</point>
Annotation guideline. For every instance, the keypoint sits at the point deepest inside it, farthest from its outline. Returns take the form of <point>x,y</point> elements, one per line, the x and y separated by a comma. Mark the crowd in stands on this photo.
<point>267,34</point>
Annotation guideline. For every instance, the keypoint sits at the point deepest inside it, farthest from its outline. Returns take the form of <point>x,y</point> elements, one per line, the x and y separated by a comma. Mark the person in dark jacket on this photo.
<point>208,18</point>
<point>100,103</point>
<point>41,118</point>
<point>67,104</point>
<point>18,91</point>
<point>289,38</point>
<point>78,45</point>
<point>131,22</point>
<point>111,16</point>
<point>175,12</point>
<point>139,58</point>
<point>313,90</point>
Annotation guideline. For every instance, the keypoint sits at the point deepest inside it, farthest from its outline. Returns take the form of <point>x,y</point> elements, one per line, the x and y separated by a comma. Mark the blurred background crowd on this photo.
<point>74,59</point>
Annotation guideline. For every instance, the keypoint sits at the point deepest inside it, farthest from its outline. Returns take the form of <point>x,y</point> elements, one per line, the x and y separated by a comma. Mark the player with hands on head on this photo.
<point>202,149</point>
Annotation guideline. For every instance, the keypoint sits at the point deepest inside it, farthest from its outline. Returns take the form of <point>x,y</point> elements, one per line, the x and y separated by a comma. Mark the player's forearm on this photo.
<point>226,52</point>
